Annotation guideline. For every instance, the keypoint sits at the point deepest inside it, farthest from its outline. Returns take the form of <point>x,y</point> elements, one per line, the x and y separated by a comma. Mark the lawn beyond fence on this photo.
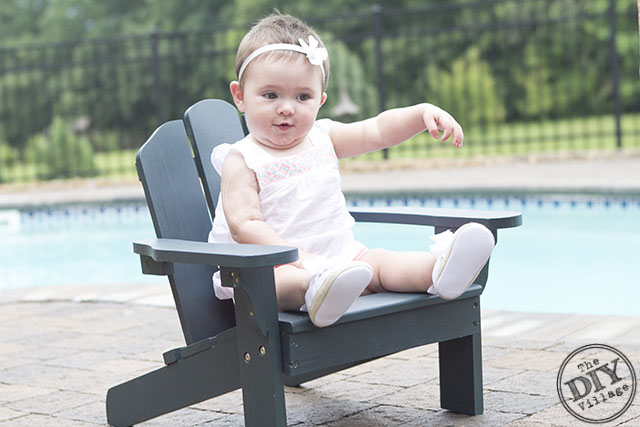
<point>525,139</point>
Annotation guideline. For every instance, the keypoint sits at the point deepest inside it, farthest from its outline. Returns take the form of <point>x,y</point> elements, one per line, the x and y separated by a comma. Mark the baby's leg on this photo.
<point>457,259</point>
<point>326,295</point>
<point>399,271</point>
<point>291,284</point>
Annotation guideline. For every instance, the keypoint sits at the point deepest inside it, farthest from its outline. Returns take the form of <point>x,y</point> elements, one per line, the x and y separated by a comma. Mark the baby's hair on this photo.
<point>277,28</point>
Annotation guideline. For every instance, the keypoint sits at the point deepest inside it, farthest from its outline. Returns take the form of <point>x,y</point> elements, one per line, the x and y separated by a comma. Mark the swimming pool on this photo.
<point>572,254</point>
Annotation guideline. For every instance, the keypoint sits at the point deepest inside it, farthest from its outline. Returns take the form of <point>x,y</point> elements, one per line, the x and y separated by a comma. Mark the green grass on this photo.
<point>116,164</point>
<point>521,139</point>
<point>511,139</point>
<point>113,164</point>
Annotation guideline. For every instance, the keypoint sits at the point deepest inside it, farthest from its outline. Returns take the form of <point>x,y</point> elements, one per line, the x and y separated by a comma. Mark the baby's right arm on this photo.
<point>239,190</point>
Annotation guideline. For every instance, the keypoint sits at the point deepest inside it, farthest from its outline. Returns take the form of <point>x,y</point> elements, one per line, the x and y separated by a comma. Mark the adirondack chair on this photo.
<point>247,344</point>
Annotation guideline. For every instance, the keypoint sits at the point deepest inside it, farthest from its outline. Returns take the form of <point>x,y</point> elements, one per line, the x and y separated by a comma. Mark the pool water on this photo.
<point>572,254</point>
<point>565,258</point>
<point>75,245</point>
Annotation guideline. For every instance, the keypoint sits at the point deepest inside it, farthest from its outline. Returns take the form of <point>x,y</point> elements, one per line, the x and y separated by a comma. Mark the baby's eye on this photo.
<point>304,97</point>
<point>270,95</point>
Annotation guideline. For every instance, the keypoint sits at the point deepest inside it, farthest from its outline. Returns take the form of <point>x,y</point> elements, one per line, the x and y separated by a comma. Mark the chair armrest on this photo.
<point>438,217</point>
<point>215,254</point>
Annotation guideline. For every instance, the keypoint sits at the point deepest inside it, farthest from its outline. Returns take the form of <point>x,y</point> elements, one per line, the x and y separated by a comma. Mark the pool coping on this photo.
<point>158,294</point>
<point>615,176</point>
<point>125,195</point>
<point>70,200</point>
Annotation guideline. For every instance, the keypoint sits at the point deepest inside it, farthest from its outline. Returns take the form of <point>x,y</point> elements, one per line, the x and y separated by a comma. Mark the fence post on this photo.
<point>157,82</point>
<point>376,18</point>
<point>615,71</point>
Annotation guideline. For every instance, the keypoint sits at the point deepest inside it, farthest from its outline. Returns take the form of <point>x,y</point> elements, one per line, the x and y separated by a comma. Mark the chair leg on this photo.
<point>461,375</point>
<point>263,393</point>
<point>259,347</point>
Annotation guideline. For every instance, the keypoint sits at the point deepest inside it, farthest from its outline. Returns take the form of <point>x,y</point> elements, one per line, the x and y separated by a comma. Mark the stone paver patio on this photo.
<point>61,349</point>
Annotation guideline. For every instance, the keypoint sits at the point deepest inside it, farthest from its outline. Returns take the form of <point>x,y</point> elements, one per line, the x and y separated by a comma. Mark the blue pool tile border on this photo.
<point>84,214</point>
<point>136,211</point>
<point>498,202</point>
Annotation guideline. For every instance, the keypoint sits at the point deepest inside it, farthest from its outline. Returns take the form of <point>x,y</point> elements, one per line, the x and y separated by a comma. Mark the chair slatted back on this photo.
<point>209,123</point>
<point>178,209</point>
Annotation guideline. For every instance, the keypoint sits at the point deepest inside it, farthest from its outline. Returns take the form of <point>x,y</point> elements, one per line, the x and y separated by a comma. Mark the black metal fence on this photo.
<point>522,76</point>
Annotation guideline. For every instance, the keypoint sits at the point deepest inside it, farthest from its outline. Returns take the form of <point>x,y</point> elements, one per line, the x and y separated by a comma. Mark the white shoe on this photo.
<point>332,292</point>
<point>459,258</point>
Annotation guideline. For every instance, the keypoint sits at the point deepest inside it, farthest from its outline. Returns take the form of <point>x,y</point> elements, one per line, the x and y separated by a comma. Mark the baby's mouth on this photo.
<point>283,126</point>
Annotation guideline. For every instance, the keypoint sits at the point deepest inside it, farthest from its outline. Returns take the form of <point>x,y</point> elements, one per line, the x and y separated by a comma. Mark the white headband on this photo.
<point>316,55</point>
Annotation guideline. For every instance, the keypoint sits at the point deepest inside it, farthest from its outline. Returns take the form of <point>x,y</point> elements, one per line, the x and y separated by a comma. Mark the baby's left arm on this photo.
<point>392,127</point>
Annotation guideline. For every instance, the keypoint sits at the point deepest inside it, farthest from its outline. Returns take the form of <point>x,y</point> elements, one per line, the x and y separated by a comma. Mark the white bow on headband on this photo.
<point>316,55</point>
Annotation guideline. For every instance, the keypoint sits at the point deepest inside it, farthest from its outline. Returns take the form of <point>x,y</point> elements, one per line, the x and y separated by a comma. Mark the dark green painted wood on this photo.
<point>461,374</point>
<point>230,255</point>
<point>370,306</point>
<point>378,335</point>
<point>259,352</point>
<point>211,122</point>
<point>179,211</point>
<point>297,380</point>
<point>438,217</point>
<point>186,382</point>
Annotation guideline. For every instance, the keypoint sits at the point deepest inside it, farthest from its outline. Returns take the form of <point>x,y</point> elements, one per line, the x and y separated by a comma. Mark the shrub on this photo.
<point>61,154</point>
<point>104,141</point>
<point>8,157</point>
<point>468,90</point>
<point>8,154</point>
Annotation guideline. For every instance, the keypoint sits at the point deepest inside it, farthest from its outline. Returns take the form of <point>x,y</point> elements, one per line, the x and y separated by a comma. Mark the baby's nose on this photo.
<point>285,108</point>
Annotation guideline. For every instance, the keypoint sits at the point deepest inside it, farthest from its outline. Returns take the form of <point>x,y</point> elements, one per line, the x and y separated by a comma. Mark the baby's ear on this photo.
<point>323,99</point>
<point>238,95</point>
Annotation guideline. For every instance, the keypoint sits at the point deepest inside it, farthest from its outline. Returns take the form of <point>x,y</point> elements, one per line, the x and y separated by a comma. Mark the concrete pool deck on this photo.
<point>61,348</point>
<point>615,173</point>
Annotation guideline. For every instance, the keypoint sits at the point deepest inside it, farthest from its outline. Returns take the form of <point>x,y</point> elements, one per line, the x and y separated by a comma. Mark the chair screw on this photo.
<point>475,305</point>
<point>235,276</point>
<point>476,323</point>
<point>247,357</point>
<point>263,350</point>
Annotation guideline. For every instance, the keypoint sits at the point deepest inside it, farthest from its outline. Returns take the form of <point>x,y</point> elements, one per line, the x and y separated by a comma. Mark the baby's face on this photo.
<point>281,99</point>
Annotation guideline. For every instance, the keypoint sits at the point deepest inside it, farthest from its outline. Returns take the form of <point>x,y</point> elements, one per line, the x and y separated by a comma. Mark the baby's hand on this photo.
<point>436,119</point>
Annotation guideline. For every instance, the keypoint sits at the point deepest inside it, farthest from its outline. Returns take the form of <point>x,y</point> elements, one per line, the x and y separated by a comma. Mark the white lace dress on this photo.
<point>300,198</point>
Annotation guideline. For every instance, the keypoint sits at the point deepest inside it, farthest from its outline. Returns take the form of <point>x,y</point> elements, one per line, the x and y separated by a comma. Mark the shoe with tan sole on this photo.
<point>460,257</point>
<point>333,291</point>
